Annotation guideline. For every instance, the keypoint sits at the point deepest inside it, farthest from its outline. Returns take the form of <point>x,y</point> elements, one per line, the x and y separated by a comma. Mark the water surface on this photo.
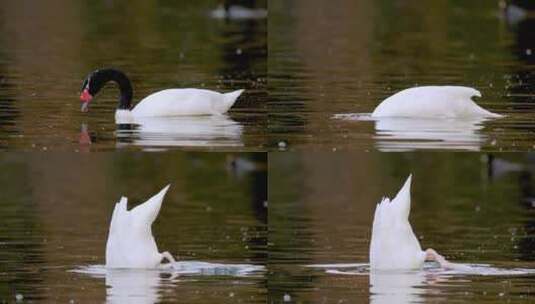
<point>47,49</point>
<point>56,208</point>
<point>327,59</point>
<point>476,209</point>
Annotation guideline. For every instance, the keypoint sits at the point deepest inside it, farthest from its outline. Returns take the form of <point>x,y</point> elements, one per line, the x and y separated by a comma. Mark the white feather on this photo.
<point>433,101</point>
<point>393,243</point>
<point>130,242</point>
<point>178,102</point>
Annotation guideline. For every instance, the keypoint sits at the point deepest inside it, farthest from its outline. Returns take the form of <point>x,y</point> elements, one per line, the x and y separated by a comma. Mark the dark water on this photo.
<point>56,207</point>
<point>473,208</point>
<point>327,59</point>
<point>47,49</point>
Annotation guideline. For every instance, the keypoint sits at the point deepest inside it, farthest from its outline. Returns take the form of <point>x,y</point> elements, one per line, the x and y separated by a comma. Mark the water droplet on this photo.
<point>286,298</point>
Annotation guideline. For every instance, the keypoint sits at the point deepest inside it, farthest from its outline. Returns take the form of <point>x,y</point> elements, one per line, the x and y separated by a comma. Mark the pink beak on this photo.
<point>85,97</point>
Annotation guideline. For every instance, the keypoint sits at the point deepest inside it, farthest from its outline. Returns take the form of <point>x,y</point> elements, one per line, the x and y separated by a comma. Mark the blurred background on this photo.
<point>327,58</point>
<point>48,48</point>
<point>56,210</point>
<point>470,207</point>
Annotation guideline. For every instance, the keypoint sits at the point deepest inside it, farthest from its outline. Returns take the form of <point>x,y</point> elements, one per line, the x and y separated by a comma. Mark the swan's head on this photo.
<point>85,96</point>
<point>94,82</point>
<point>90,87</point>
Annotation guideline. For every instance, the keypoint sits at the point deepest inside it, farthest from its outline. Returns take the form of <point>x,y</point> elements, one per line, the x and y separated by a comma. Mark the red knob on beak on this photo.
<point>85,97</point>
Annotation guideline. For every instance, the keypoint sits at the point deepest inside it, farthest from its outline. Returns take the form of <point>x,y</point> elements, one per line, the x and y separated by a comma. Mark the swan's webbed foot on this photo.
<point>166,255</point>
<point>432,255</point>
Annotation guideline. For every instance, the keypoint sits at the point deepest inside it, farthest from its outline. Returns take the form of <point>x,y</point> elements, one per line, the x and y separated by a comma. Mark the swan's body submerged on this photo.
<point>433,101</point>
<point>393,243</point>
<point>130,242</point>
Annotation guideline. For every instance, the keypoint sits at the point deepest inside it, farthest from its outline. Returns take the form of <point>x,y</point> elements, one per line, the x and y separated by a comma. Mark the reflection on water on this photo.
<point>373,49</point>
<point>406,134</point>
<point>410,286</point>
<point>159,45</point>
<point>145,286</point>
<point>179,268</point>
<point>56,208</point>
<point>188,131</point>
<point>475,209</point>
<point>397,288</point>
<point>132,286</point>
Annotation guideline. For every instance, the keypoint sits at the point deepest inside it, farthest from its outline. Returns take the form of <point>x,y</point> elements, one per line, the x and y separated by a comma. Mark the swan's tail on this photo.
<point>402,201</point>
<point>148,211</point>
<point>398,208</point>
<point>230,98</point>
<point>471,92</point>
<point>489,114</point>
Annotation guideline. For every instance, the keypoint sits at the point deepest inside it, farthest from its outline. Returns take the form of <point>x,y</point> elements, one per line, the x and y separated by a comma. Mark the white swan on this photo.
<point>170,102</point>
<point>433,101</point>
<point>393,243</point>
<point>130,242</point>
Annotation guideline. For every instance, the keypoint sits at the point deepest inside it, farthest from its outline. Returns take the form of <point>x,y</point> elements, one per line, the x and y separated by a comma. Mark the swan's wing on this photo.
<point>118,215</point>
<point>147,212</point>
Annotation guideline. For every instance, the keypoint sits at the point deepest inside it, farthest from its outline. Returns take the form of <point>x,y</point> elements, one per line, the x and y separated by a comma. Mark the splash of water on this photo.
<point>458,269</point>
<point>181,268</point>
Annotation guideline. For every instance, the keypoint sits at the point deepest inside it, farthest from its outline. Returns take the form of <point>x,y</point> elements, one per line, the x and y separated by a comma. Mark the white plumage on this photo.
<point>393,243</point>
<point>130,242</point>
<point>433,101</point>
<point>178,102</point>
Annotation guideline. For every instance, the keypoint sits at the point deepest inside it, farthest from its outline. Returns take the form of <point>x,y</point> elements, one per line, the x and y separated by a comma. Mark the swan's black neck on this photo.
<point>99,78</point>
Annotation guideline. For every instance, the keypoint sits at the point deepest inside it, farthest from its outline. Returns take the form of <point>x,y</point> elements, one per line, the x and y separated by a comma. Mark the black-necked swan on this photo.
<point>433,102</point>
<point>393,243</point>
<point>130,242</point>
<point>169,102</point>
